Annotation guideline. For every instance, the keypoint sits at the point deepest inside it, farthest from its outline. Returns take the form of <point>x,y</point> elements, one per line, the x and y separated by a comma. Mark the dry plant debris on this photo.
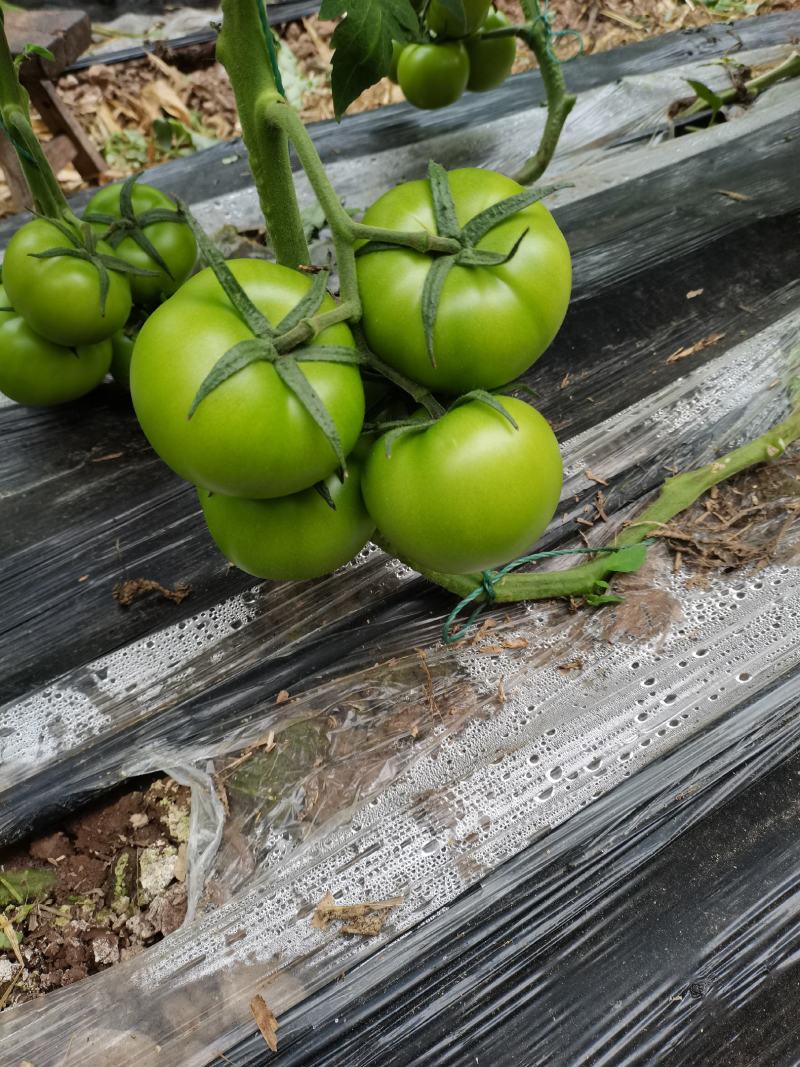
<point>265,1020</point>
<point>125,593</point>
<point>691,350</point>
<point>365,919</point>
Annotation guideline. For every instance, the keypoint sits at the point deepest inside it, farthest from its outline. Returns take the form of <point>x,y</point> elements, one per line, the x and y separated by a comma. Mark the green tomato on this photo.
<point>492,322</point>
<point>468,493</point>
<point>397,49</point>
<point>122,352</point>
<point>250,437</point>
<point>38,372</point>
<point>293,537</point>
<point>490,62</point>
<point>433,75</point>
<point>173,241</point>
<point>445,24</point>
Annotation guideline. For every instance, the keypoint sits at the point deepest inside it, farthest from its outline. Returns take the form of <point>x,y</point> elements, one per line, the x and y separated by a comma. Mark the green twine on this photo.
<point>489,580</point>
<point>273,55</point>
<point>546,18</point>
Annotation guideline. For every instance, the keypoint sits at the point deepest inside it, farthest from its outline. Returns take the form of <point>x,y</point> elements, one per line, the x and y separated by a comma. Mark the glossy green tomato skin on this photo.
<point>490,62</point>
<point>122,352</point>
<point>39,373</point>
<point>444,24</point>
<point>291,538</point>
<point>433,75</point>
<point>174,242</point>
<point>492,322</point>
<point>60,297</point>
<point>250,437</point>
<point>469,493</point>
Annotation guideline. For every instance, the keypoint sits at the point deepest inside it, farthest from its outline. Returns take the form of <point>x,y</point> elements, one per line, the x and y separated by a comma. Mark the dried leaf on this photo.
<point>691,350</point>
<point>265,1020</point>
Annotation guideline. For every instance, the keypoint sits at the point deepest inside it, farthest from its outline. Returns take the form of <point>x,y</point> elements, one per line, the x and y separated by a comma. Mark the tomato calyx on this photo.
<point>129,224</point>
<point>83,246</point>
<point>467,237</point>
<point>284,346</point>
<point>393,430</point>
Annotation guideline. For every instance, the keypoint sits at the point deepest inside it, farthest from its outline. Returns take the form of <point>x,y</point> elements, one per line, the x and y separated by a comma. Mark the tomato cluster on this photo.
<point>71,290</point>
<point>455,55</point>
<point>463,484</point>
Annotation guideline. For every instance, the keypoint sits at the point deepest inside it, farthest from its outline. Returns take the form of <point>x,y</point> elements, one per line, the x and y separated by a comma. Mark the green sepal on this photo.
<point>121,267</point>
<point>325,493</point>
<point>257,322</point>
<point>235,359</point>
<point>307,306</point>
<point>378,246</point>
<point>478,257</point>
<point>485,397</point>
<point>329,354</point>
<point>294,379</point>
<point>444,210</point>
<point>479,225</point>
<point>431,295</point>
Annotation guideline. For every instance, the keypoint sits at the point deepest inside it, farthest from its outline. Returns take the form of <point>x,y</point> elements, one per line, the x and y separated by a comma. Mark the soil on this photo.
<point>117,884</point>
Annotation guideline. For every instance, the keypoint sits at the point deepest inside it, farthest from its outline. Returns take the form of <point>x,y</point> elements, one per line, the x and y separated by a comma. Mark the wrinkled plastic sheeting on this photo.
<point>617,141</point>
<point>420,771</point>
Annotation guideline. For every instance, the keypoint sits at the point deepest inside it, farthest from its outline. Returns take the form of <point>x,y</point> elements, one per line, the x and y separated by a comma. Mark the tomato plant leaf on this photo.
<point>33,50</point>
<point>294,379</point>
<point>480,224</point>
<point>307,306</point>
<point>485,397</point>
<point>212,257</point>
<point>455,9</point>
<point>714,101</point>
<point>431,295</point>
<point>362,43</point>
<point>325,493</point>
<point>235,359</point>
<point>27,884</point>
<point>444,210</point>
<point>596,600</point>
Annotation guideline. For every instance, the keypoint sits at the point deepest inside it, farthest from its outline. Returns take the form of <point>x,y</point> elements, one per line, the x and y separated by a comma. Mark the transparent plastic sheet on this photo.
<point>397,780</point>
<point>617,150</point>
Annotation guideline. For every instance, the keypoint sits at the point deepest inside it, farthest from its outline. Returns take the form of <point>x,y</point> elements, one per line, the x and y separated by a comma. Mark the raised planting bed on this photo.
<point>539,806</point>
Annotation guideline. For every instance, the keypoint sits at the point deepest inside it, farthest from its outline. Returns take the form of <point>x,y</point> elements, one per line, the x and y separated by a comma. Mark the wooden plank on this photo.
<point>66,33</point>
<point>60,120</point>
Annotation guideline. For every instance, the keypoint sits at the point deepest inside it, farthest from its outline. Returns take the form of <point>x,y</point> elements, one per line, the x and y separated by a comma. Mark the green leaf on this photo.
<point>596,600</point>
<point>485,397</point>
<point>480,224</point>
<point>627,559</point>
<point>444,210</point>
<point>362,43</point>
<point>714,101</point>
<point>16,887</point>
<point>294,379</point>
<point>234,360</point>
<point>431,295</point>
<point>458,16</point>
<point>308,305</point>
<point>33,50</point>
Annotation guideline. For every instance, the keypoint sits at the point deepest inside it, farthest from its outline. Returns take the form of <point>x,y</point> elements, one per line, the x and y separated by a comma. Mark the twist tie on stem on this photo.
<point>489,580</point>
<point>273,56</point>
<point>545,18</point>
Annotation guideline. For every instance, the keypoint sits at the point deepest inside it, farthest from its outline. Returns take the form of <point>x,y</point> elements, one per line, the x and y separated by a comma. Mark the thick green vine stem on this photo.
<point>790,68</point>
<point>15,119</point>
<point>537,35</point>
<point>587,579</point>
<point>243,50</point>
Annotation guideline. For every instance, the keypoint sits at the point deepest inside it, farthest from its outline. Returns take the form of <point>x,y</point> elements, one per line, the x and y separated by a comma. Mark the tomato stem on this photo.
<point>15,119</point>
<point>243,51</point>
<point>790,68</point>
<point>676,495</point>
<point>536,34</point>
